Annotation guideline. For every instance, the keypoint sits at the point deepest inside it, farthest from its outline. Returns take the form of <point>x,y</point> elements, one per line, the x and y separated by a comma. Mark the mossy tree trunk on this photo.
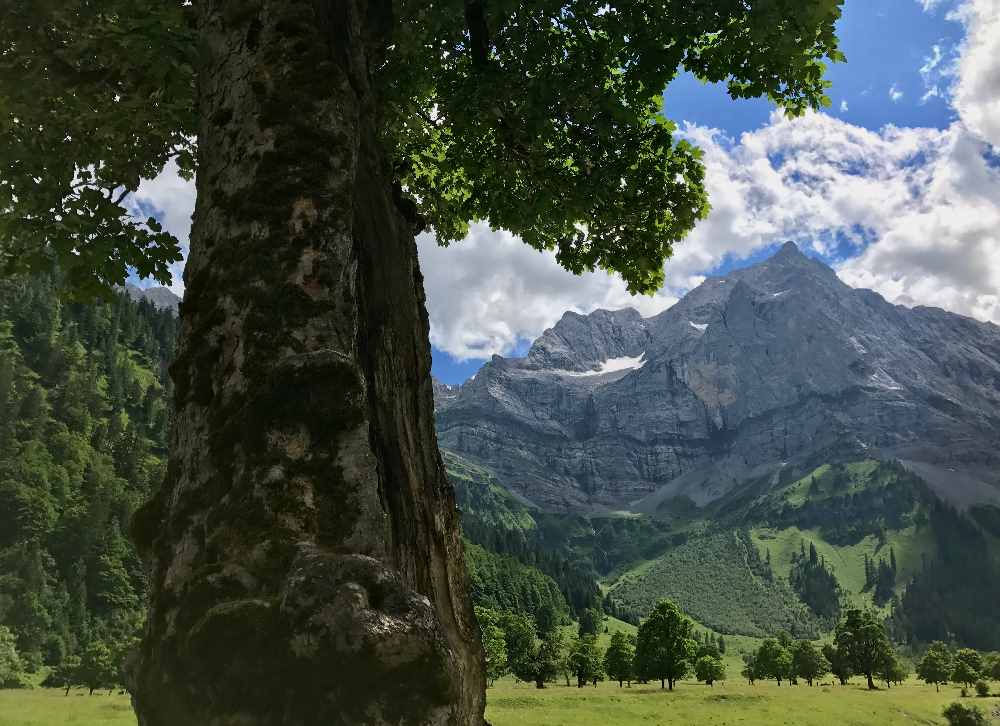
<point>306,566</point>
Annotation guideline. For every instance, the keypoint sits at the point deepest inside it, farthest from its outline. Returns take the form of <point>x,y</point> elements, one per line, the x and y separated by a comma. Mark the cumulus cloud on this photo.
<point>895,94</point>
<point>976,92</point>
<point>490,292</point>
<point>920,207</point>
<point>171,199</point>
<point>843,107</point>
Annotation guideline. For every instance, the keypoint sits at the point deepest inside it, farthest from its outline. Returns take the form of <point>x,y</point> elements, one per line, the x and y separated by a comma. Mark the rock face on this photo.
<point>161,297</point>
<point>773,364</point>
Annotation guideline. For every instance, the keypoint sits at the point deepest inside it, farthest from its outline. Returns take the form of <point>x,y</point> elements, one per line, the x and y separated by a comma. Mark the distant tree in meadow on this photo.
<point>65,675</point>
<point>840,666</point>
<point>892,670</point>
<point>861,638</point>
<point>619,660</point>
<point>710,669</point>
<point>993,666</point>
<point>968,667</point>
<point>958,714</point>
<point>773,661</point>
<point>586,660</point>
<point>11,667</point>
<point>808,662</point>
<point>494,644</point>
<point>722,645</point>
<point>532,660</point>
<point>750,668</point>
<point>98,667</point>
<point>664,645</point>
<point>519,637</point>
<point>937,665</point>
<point>982,689</point>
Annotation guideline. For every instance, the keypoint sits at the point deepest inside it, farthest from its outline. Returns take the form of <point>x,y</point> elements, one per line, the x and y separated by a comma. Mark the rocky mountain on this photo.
<point>161,297</point>
<point>776,365</point>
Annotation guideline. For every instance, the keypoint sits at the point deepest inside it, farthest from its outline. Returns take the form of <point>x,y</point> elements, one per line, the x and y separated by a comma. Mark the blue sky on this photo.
<point>887,42</point>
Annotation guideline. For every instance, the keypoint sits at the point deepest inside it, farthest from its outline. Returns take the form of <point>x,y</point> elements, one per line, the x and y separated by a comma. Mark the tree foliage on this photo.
<point>958,714</point>
<point>619,659</point>
<point>494,644</point>
<point>809,662</point>
<point>544,118</point>
<point>862,641</point>
<point>586,661</point>
<point>503,583</point>
<point>773,660</point>
<point>83,427</point>
<point>96,96</point>
<point>816,584</point>
<point>709,669</point>
<point>937,664</point>
<point>664,646</point>
<point>968,667</point>
<point>11,667</point>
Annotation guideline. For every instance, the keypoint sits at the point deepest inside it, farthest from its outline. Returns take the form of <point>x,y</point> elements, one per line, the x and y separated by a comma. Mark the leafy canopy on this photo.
<point>937,664</point>
<point>664,647</point>
<point>543,118</point>
<point>619,660</point>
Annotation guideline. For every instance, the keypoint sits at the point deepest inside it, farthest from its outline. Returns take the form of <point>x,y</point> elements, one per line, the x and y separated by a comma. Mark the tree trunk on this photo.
<point>540,683</point>
<point>306,566</point>
<point>662,684</point>
<point>871,683</point>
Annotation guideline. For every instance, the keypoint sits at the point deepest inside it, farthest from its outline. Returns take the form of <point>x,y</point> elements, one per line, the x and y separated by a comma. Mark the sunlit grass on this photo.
<point>725,704</point>
<point>518,704</point>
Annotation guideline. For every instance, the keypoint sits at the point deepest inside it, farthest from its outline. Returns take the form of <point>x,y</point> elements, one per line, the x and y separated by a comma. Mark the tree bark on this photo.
<point>306,566</point>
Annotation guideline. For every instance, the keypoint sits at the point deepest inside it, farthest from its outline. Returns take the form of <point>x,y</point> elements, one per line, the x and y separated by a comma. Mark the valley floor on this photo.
<point>728,704</point>
<point>510,704</point>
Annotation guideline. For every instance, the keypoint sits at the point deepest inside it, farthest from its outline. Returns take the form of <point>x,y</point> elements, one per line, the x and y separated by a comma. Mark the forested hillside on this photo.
<point>83,430</point>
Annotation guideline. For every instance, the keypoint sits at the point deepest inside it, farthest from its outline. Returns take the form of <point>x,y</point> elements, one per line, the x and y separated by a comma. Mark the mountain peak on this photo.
<point>789,251</point>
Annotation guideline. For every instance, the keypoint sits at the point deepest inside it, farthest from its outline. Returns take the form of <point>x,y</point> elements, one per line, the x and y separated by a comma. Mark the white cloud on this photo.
<point>843,107</point>
<point>921,206</point>
<point>977,90</point>
<point>895,94</point>
<point>490,291</point>
<point>173,199</point>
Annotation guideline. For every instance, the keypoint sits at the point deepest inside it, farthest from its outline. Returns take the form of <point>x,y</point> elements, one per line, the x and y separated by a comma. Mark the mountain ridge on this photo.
<point>771,364</point>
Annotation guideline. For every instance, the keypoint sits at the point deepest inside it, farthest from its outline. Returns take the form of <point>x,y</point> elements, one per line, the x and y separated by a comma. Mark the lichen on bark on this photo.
<point>305,560</point>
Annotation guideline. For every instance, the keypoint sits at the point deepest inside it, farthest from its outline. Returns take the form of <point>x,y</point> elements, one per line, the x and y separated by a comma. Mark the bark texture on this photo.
<point>306,567</point>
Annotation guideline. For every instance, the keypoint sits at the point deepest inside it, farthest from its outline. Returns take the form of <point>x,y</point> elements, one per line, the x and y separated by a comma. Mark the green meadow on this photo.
<point>517,704</point>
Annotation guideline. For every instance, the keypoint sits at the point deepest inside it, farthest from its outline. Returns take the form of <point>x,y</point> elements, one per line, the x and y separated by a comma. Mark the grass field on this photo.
<point>848,561</point>
<point>509,704</point>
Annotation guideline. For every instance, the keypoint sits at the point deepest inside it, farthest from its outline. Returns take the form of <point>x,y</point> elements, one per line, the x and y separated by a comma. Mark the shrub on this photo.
<point>982,689</point>
<point>958,714</point>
